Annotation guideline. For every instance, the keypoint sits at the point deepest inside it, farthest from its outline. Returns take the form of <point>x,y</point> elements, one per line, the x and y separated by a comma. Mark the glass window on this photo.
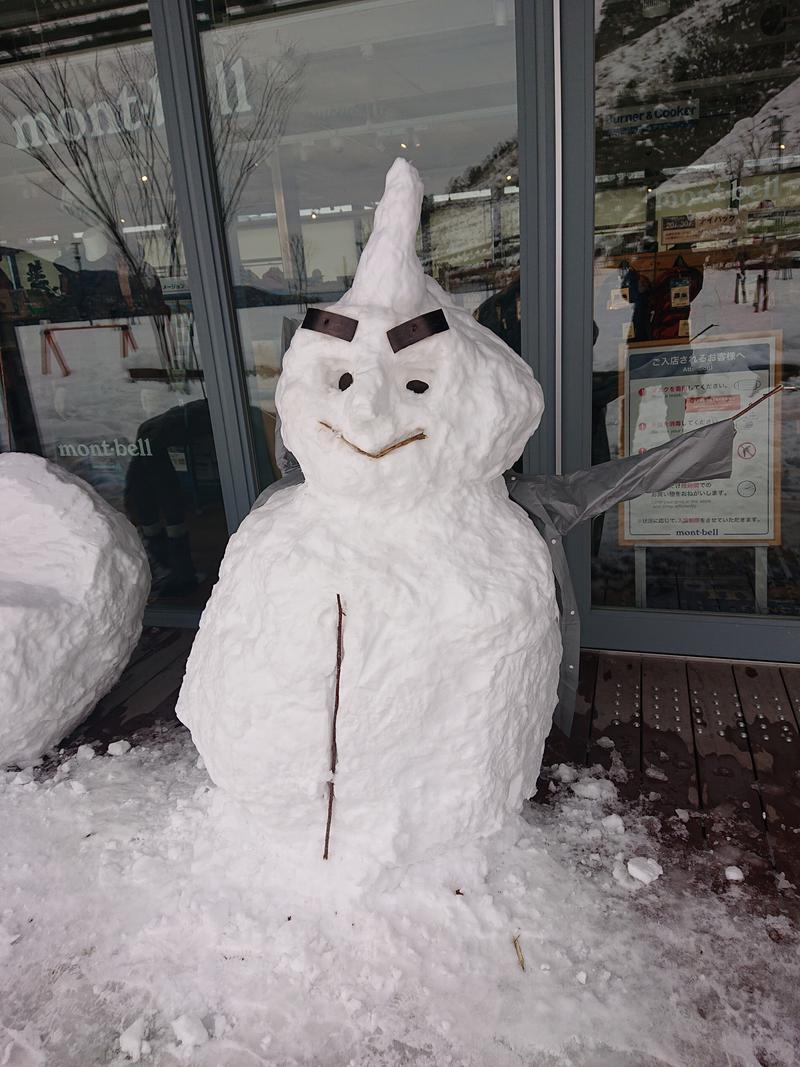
<point>696,306</point>
<point>310,108</point>
<point>99,366</point>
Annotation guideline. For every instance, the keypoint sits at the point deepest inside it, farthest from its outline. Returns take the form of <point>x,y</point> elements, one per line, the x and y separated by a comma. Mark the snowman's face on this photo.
<point>370,404</point>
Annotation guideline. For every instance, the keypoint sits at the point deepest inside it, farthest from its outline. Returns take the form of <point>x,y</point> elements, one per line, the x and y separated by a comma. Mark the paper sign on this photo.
<point>670,390</point>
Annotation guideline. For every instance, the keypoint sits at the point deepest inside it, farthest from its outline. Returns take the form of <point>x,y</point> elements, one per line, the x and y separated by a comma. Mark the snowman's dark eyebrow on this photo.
<point>330,323</point>
<point>417,329</point>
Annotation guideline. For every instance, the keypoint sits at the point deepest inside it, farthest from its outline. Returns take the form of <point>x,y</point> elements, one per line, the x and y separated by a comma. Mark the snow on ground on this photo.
<point>142,917</point>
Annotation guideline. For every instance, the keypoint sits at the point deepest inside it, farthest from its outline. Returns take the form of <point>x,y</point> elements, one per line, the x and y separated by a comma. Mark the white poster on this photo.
<point>671,389</point>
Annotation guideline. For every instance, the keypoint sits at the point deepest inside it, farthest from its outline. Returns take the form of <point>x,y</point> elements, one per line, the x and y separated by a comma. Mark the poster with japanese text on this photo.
<point>672,389</point>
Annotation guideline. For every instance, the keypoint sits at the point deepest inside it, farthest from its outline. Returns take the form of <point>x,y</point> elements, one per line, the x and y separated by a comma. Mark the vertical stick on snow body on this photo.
<point>339,658</point>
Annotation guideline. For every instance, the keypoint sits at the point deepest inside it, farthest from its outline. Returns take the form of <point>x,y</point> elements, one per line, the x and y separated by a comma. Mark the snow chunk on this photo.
<point>565,773</point>
<point>605,742</point>
<point>682,814</point>
<point>655,772</point>
<point>77,787</point>
<point>613,824</point>
<point>119,748</point>
<point>131,1041</point>
<point>189,1030</point>
<point>73,583</point>
<point>595,789</point>
<point>644,869</point>
<point>85,753</point>
<point>581,977</point>
<point>7,939</point>
<point>734,874</point>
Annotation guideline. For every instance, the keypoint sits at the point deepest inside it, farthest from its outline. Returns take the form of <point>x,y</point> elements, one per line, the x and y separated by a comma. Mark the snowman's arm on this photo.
<point>295,477</point>
<point>569,499</point>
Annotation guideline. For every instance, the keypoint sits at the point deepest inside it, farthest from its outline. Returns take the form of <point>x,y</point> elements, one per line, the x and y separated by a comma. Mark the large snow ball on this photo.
<point>73,584</point>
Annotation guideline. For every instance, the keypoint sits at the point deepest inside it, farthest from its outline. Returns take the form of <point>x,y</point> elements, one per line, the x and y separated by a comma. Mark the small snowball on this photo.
<point>613,824</point>
<point>85,752</point>
<point>189,1030</point>
<point>734,874</point>
<point>581,977</point>
<point>605,742</point>
<point>131,1040</point>
<point>119,748</point>
<point>77,787</point>
<point>595,789</point>
<point>565,773</point>
<point>643,869</point>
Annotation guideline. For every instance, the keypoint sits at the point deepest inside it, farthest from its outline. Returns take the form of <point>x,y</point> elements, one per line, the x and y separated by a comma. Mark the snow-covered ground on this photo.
<point>135,901</point>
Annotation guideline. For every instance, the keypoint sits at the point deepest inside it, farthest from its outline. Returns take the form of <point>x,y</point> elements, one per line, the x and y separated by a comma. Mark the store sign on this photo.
<point>140,447</point>
<point>670,390</point>
<point>703,226</point>
<point>129,111</point>
<point>634,119</point>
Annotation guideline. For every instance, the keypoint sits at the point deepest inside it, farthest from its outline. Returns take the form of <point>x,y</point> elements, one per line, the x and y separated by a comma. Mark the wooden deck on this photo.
<point>716,741</point>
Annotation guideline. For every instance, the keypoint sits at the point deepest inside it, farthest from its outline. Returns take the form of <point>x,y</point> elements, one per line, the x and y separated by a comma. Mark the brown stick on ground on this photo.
<point>339,658</point>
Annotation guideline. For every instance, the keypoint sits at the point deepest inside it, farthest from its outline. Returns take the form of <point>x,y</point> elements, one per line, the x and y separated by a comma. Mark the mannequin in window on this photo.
<point>101,281</point>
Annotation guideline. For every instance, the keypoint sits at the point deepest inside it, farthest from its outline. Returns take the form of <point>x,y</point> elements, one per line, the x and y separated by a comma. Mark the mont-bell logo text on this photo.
<point>140,447</point>
<point>102,118</point>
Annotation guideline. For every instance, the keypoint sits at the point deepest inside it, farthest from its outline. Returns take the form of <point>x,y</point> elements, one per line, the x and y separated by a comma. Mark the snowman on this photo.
<point>376,671</point>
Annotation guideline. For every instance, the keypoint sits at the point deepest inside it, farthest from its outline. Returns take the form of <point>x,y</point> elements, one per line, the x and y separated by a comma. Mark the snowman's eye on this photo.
<point>416,386</point>
<point>346,381</point>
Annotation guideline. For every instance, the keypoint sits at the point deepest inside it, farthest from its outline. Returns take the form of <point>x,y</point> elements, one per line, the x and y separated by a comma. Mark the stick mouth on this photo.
<point>419,435</point>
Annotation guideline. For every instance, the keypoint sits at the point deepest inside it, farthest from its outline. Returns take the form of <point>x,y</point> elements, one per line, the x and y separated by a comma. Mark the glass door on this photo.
<point>308,108</point>
<point>100,370</point>
<point>695,308</point>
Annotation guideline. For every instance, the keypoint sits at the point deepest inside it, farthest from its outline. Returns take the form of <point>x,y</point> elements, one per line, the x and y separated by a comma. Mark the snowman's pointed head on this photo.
<point>394,389</point>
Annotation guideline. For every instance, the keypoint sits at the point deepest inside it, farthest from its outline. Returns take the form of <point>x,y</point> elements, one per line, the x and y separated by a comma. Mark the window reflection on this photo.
<point>100,368</point>
<point>696,305</point>
<point>347,88</point>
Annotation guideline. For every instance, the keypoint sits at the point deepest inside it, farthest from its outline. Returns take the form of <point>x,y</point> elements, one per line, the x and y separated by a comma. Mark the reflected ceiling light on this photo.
<point>313,214</point>
<point>508,177</point>
<point>145,178</point>
<point>782,146</point>
<point>403,144</point>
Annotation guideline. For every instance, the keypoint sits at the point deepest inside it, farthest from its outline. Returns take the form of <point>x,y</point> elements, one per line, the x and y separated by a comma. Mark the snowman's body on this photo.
<point>403,419</point>
<point>447,680</point>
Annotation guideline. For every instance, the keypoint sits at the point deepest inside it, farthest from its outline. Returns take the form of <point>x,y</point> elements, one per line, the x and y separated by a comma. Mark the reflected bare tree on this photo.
<point>96,131</point>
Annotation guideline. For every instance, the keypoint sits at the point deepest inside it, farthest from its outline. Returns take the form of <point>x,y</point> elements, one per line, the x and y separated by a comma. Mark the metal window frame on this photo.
<point>536,25</point>
<point>181,76</point>
<point>623,629</point>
